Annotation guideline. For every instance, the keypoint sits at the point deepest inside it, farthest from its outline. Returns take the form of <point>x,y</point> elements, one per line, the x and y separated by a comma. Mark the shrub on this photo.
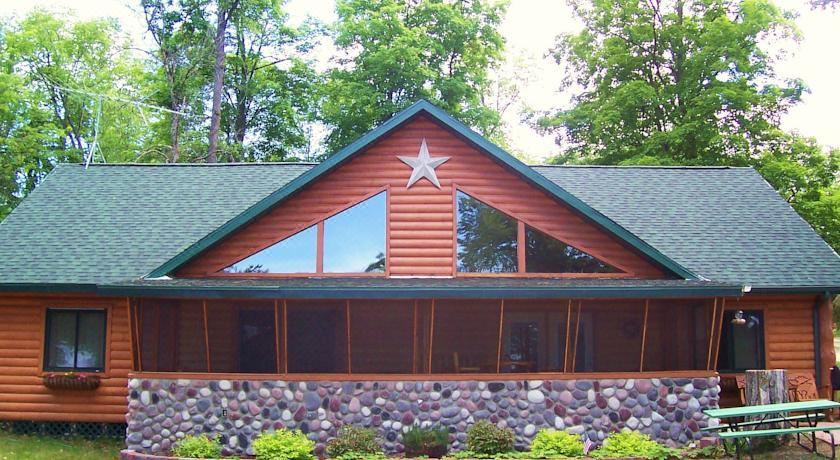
<point>486,438</point>
<point>554,443</point>
<point>633,444</point>
<point>428,442</point>
<point>353,440</point>
<point>283,445</point>
<point>197,447</point>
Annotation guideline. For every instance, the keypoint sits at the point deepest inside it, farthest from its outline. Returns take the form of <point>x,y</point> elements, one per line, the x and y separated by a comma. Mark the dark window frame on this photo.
<point>48,340</point>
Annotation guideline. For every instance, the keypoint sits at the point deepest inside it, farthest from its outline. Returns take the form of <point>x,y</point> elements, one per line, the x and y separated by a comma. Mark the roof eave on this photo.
<point>462,130</point>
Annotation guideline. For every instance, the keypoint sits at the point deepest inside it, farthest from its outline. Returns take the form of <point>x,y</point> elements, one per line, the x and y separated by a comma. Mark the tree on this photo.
<point>49,70</point>
<point>399,51</point>
<point>225,9</point>
<point>269,93</point>
<point>671,81</point>
<point>181,56</point>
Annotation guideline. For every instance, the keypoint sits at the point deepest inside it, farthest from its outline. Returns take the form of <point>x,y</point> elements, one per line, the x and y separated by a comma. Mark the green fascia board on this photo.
<point>460,129</point>
<point>414,293</point>
<point>62,288</point>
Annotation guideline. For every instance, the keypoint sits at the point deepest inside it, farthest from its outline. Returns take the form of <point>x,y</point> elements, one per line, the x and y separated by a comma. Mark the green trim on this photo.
<point>461,130</point>
<point>420,292</point>
<point>48,287</point>
<point>743,411</point>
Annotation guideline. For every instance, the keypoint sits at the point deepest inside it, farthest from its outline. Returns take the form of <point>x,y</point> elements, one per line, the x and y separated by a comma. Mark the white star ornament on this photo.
<point>424,166</point>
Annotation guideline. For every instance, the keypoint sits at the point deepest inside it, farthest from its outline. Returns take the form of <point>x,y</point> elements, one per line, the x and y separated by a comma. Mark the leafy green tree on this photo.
<point>180,59</point>
<point>49,70</point>
<point>270,89</point>
<point>399,51</point>
<point>671,81</point>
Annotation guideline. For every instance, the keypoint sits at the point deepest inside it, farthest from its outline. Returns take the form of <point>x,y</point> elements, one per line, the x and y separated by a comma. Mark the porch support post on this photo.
<point>349,342</point>
<point>568,333</point>
<point>719,332</point>
<point>712,334</point>
<point>825,352</point>
<point>206,334</point>
<point>277,334</point>
<point>644,337</point>
<point>499,346</point>
<point>431,335</point>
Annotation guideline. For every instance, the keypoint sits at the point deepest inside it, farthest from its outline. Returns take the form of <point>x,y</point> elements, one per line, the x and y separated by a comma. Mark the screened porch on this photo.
<point>416,338</point>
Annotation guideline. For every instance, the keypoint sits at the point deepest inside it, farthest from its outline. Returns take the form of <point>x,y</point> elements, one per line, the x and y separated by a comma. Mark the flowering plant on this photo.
<point>71,380</point>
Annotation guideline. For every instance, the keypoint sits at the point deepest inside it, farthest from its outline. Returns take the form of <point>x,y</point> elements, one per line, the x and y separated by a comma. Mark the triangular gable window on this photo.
<point>488,242</point>
<point>353,242</point>
<point>295,254</point>
<point>544,254</point>
<point>486,238</point>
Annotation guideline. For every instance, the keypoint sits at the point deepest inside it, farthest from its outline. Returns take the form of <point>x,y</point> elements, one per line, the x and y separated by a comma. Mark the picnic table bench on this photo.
<point>790,416</point>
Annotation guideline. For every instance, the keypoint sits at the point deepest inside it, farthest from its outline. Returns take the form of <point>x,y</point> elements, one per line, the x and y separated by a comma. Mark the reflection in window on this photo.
<point>354,239</point>
<point>486,237</point>
<point>295,254</point>
<point>75,340</point>
<point>544,254</point>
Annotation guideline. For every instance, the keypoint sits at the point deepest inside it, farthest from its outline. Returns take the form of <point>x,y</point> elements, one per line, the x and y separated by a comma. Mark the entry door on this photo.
<point>742,342</point>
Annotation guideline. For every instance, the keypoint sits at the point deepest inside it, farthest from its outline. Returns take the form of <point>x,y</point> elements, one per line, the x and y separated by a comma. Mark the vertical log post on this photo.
<point>826,352</point>
<point>766,386</point>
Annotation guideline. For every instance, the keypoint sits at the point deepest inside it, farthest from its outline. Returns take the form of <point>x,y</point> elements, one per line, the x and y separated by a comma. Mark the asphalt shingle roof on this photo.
<point>115,223</point>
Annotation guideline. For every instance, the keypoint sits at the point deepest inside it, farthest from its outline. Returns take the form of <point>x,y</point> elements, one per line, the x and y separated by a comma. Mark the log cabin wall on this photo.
<point>22,393</point>
<point>421,219</point>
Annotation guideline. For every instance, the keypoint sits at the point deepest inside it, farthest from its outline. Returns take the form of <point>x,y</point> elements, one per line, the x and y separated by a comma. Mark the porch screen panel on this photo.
<point>423,336</point>
<point>242,336</point>
<point>677,335</point>
<point>534,336</point>
<point>172,336</point>
<point>609,337</point>
<point>381,336</point>
<point>466,336</point>
<point>317,336</point>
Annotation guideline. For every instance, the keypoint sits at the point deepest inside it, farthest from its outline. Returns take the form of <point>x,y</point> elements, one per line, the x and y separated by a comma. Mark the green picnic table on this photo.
<point>795,418</point>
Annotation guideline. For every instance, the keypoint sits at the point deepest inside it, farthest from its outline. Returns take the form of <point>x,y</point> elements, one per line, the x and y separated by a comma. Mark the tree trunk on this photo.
<point>240,124</point>
<point>766,387</point>
<point>223,15</point>
<point>174,134</point>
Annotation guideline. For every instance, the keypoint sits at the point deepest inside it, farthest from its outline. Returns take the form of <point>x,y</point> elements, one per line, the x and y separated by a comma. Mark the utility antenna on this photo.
<point>94,147</point>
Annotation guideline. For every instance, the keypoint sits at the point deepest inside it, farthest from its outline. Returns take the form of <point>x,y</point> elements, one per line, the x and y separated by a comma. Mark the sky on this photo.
<point>530,29</point>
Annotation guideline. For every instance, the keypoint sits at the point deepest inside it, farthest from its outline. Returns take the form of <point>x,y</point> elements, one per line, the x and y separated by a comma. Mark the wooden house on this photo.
<point>421,275</point>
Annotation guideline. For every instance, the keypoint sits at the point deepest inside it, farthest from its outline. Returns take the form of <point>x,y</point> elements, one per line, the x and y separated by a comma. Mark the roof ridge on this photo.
<point>202,165</point>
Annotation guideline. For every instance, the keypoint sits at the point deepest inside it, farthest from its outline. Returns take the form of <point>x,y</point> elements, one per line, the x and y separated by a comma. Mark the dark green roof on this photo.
<point>111,224</point>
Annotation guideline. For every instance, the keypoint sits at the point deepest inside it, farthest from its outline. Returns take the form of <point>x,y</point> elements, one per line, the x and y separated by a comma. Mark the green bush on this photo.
<point>633,444</point>
<point>283,445</point>
<point>554,443</point>
<point>486,438</point>
<point>197,447</point>
<point>428,442</point>
<point>353,440</point>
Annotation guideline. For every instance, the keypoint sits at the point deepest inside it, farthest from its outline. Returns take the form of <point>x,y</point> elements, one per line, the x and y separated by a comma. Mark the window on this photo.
<point>741,341</point>
<point>486,237</point>
<point>544,254</point>
<point>295,254</point>
<point>353,242</point>
<point>75,340</point>
<point>354,239</point>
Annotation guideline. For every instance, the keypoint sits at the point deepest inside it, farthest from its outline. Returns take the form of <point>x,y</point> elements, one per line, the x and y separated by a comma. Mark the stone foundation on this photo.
<point>162,411</point>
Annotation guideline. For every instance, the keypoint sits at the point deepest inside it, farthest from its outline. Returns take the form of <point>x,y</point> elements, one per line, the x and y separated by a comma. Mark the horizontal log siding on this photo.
<point>22,394</point>
<point>421,228</point>
<point>788,330</point>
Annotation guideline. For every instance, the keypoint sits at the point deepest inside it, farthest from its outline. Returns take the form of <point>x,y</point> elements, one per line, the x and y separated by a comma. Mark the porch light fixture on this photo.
<point>739,319</point>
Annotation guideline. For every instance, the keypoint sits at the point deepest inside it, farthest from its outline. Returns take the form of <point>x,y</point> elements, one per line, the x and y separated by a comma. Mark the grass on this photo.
<point>27,447</point>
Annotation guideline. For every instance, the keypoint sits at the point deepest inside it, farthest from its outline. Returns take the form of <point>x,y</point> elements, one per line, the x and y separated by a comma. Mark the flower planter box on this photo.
<point>70,381</point>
